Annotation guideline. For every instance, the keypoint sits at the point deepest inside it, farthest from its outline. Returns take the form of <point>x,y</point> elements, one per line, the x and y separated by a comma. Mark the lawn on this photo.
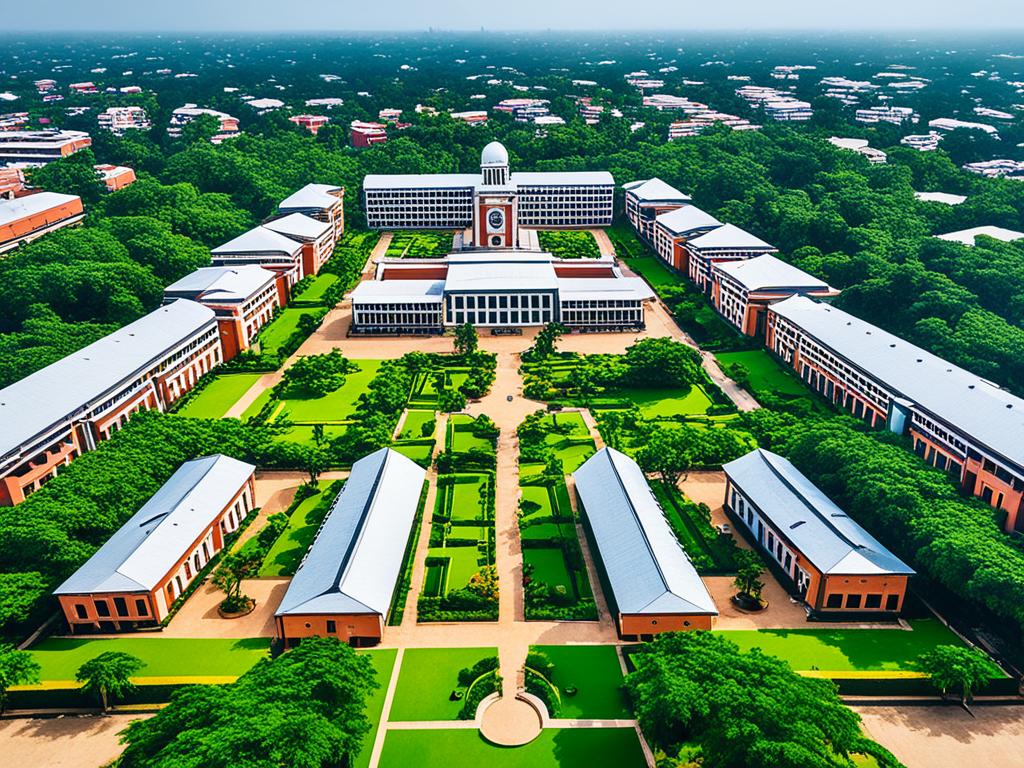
<point>412,427</point>
<point>219,395</point>
<point>60,658</point>
<point>540,495</point>
<point>303,434</point>
<point>654,271</point>
<point>554,748</point>
<point>549,566</point>
<point>420,245</point>
<point>568,244</point>
<point>594,670</point>
<point>461,438</point>
<point>467,497</point>
<point>765,374</point>
<point>383,661</point>
<point>420,453</point>
<point>465,561</point>
<point>847,650</point>
<point>666,403</point>
<point>287,552</point>
<point>278,331</point>
<point>334,406</point>
<point>426,680</point>
<point>315,292</point>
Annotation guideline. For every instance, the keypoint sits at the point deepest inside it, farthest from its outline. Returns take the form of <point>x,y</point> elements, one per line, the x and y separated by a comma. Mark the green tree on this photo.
<point>16,668</point>
<point>109,675</point>
<point>451,401</point>
<point>466,339</point>
<point>232,569</point>
<point>956,669</point>
<point>749,569</point>
<point>71,175</point>
<point>547,338</point>
<point>663,362</point>
<point>317,375</point>
<point>667,452</point>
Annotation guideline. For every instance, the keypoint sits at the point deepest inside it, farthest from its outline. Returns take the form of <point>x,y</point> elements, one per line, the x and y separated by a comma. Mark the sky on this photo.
<point>603,15</point>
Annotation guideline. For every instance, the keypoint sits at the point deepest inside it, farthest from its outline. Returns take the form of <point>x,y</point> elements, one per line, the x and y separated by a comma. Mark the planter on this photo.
<point>748,605</point>
<point>249,608</point>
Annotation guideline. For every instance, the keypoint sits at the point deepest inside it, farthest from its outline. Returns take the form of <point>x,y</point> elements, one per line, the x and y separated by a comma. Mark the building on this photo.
<point>367,134</point>
<point>860,146</point>
<point>945,198</point>
<point>494,202</point>
<point>957,421</point>
<point>138,574</point>
<point>182,116</point>
<point>346,583</point>
<point>718,245</point>
<point>473,117</point>
<point>323,202</point>
<point>967,236</point>
<point>835,566</point>
<point>1000,168</point>
<point>743,290</point>
<point>922,142</point>
<point>886,114</point>
<point>951,124</point>
<point>649,581</point>
<point>87,87</point>
<point>52,416</point>
<point>265,248</point>
<point>317,238</point>
<point>115,177</point>
<point>12,183</point>
<point>119,120</point>
<point>646,200</point>
<point>496,289</point>
<point>312,123</point>
<point>243,298</point>
<point>35,148</point>
<point>778,105</point>
<point>673,229</point>
<point>31,216</point>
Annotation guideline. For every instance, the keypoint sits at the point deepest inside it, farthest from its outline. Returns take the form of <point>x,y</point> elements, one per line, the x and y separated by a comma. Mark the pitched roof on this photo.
<point>299,226</point>
<point>259,240</point>
<point>356,558</point>
<point>990,416</point>
<point>729,236</point>
<point>42,399</point>
<point>29,205</point>
<point>499,275</point>
<point>966,236</point>
<point>311,196</point>
<point>687,219</point>
<point>821,531</point>
<point>656,190</point>
<point>222,283</point>
<point>766,271</point>
<point>145,549</point>
<point>431,291</point>
<point>647,569</point>
<point>577,288</point>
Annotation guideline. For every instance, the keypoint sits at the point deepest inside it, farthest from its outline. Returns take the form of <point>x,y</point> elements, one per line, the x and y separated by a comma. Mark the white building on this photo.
<point>966,236</point>
<point>951,124</point>
<point>886,114</point>
<point>923,142</point>
<point>860,146</point>
<point>118,120</point>
<point>36,148</point>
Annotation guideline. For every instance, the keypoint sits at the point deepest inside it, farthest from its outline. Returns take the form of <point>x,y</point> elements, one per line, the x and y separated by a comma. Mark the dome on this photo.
<point>494,154</point>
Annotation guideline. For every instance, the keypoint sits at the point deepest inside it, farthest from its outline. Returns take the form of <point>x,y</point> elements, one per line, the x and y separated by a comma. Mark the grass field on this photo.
<point>219,395</point>
<point>654,271</point>
<point>419,245</point>
<point>412,427</point>
<point>287,552</point>
<point>60,658</point>
<point>465,561</point>
<point>334,406</point>
<point>554,748</point>
<point>548,566</point>
<point>461,438</point>
<point>419,453</point>
<point>594,670</point>
<point>847,650</point>
<point>304,434</point>
<point>383,660</point>
<point>568,244</point>
<point>766,375</point>
<point>317,288</point>
<point>283,326</point>
<point>426,680</point>
<point>666,403</point>
<point>467,498</point>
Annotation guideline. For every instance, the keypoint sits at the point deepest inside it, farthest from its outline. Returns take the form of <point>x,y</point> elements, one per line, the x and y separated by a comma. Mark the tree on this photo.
<point>957,669</point>
<point>16,668</point>
<point>667,452</point>
<point>109,675</point>
<point>317,375</point>
<point>71,175</point>
<point>233,568</point>
<point>547,338</point>
<point>451,400</point>
<point>749,568</point>
<point>663,362</point>
<point>466,339</point>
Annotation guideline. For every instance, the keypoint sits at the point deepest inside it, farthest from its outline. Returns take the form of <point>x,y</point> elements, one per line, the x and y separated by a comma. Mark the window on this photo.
<point>332,626</point>
<point>142,607</point>
<point>834,601</point>
<point>188,571</point>
<point>853,601</point>
<point>892,602</point>
<point>170,592</point>
<point>80,611</point>
<point>120,606</point>
<point>102,609</point>
<point>873,601</point>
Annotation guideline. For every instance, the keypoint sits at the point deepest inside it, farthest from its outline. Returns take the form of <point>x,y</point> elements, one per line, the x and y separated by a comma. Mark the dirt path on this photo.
<point>67,742</point>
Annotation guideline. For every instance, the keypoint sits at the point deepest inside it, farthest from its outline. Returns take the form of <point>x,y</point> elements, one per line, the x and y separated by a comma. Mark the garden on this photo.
<point>214,397</point>
<point>383,660</point>
<point>710,552</point>
<point>428,244</point>
<point>555,580</point>
<point>569,244</point>
<point>585,679</point>
<point>305,515</point>
<point>434,683</point>
<point>758,372</point>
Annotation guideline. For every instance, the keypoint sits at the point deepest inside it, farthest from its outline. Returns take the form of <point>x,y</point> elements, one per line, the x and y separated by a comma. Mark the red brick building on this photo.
<point>323,202</point>
<point>367,134</point>
<point>646,200</point>
<point>720,245</point>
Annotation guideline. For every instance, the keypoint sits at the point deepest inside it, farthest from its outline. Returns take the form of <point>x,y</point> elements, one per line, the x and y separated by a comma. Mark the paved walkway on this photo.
<point>84,741</point>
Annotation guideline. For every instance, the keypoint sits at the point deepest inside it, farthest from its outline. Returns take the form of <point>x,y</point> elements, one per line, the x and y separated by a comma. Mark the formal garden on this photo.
<point>555,580</point>
<point>578,681</point>
<point>434,683</point>
<point>305,515</point>
<point>569,244</point>
<point>426,244</point>
<point>711,552</point>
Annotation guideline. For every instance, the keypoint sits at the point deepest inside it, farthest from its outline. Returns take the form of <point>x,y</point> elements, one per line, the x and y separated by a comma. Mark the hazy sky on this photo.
<point>328,15</point>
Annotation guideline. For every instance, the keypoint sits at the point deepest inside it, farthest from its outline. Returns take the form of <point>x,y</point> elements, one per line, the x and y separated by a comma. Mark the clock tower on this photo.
<point>495,204</point>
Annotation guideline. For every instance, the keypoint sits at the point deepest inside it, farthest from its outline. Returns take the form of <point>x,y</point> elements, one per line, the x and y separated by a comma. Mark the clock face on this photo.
<point>495,220</point>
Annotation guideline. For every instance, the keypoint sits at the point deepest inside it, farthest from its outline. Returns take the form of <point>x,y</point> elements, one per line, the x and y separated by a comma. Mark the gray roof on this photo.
<point>577,288</point>
<point>966,236</point>
<point>519,275</point>
<point>821,531</point>
<point>431,291</point>
<point>562,178</point>
<point>145,549</point>
<point>766,272</point>
<point>223,283</point>
<point>259,240</point>
<point>420,180</point>
<point>976,407</point>
<point>729,236</point>
<point>656,191</point>
<point>29,205</point>
<point>37,402</point>
<point>311,196</point>
<point>687,219</point>
<point>299,226</point>
<point>356,559</point>
<point>647,569</point>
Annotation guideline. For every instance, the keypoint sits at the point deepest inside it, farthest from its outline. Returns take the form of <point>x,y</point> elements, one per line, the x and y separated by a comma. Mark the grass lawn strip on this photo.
<point>412,427</point>
<point>549,566</point>
<point>426,680</point>
<point>554,748</point>
<point>595,672</point>
<point>765,374</point>
<point>315,292</point>
<point>287,552</point>
<point>383,660</point>
<point>278,331</point>
<point>337,405</point>
<point>219,395</point>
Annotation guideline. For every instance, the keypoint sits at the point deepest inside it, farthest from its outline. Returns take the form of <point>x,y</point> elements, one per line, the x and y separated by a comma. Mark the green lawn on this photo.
<point>383,660</point>
<point>554,748</point>
<point>412,427</point>
<point>654,271</point>
<point>283,326</point>
<point>287,552</point>
<point>60,658</point>
<point>419,245</point>
<point>421,454</point>
<point>548,566</point>
<point>462,438</point>
<point>766,375</point>
<point>303,434</point>
<point>538,494</point>
<point>666,403</point>
<point>846,650</point>
<point>465,561</point>
<point>426,680</point>
<point>594,670</point>
<point>569,244</point>
<point>219,395</point>
<point>317,288</point>
<point>467,498</point>
<point>334,406</point>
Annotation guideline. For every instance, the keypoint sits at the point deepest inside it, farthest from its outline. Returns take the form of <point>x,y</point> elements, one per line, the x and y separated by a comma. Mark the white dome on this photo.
<point>494,154</point>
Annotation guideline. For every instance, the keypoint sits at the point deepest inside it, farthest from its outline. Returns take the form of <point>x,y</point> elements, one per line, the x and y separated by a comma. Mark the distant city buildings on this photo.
<point>777,104</point>
<point>925,142</point>
<point>36,148</point>
<point>947,124</point>
<point>119,120</point>
<point>367,134</point>
<point>182,116</point>
<point>115,177</point>
<point>886,114</point>
<point>312,123</point>
<point>860,146</point>
<point>1001,168</point>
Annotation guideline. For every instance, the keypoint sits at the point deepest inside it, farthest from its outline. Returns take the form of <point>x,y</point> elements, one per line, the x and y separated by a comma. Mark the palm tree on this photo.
<point>109,674</point>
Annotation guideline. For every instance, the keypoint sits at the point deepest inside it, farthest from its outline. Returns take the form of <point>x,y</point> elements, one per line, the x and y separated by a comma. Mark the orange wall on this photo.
<point>859,585</point>
<point>296,627</point>
<point>26,226</point>
<point>635,625</point>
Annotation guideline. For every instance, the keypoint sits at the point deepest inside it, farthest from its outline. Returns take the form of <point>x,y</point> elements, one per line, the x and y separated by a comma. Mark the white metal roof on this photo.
<point>259,240</point>
<point>729,237</point>
<point>421,180</point>
<point>299,226</point>
<point>399,291</point>
<point>494,154</point>
<point>978,408</point>
<point>562,178</point>
<point>223,283</point>
<point>966,236</point>
<point>42,399</point>
<point>821,531</point>
<point>582,288</point>
<point>30,205</point>
<point>766,272</point>
<point>647,569</point>
<point>145,549</point>
<point>687,219</point>
<point>311,196</point>
<point>512,276</point>
<point>940,197</point>
<point>656,190</point>
<point>356,559</point>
